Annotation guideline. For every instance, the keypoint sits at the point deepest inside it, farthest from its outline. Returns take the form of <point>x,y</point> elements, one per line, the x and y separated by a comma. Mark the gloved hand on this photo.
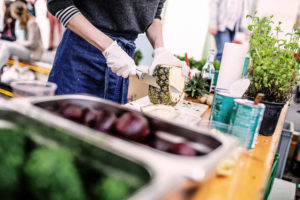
<point>163,56</point>
<point>119,61</point>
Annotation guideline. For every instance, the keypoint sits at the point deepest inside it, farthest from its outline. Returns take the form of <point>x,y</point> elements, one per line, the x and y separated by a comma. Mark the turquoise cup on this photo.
<point>222,106</point>
<point>245,121</point>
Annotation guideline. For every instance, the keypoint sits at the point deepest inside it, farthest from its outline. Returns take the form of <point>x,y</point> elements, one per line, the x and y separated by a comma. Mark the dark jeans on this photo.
<point>221,38</point>
<point>79,67</point>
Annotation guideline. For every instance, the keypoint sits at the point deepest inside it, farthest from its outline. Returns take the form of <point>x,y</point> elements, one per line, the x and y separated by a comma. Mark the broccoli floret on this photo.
<point>11,161</point>
<point>112,188</point>
<point>52,175</point>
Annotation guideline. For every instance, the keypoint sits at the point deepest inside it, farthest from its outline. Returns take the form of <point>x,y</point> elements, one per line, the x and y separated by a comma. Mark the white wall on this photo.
<point>283,10</point>
<point>185,26</point>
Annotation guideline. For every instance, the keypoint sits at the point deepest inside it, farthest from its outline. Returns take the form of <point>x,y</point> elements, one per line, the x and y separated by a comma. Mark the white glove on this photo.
<point>163,56</point>
<point>119,61</point>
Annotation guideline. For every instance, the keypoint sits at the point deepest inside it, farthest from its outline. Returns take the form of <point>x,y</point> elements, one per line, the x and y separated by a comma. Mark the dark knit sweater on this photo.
<point>124,16</point>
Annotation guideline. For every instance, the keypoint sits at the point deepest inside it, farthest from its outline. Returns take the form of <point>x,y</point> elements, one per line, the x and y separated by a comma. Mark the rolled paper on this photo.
<point>232,64</point>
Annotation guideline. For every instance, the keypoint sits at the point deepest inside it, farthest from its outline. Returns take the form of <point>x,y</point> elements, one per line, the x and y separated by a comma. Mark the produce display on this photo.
<point>30,170</point>
<point>167,75</point>
<point>128,125</point>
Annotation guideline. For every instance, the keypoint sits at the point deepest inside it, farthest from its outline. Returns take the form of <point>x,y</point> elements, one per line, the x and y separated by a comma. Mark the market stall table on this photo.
<point>249,178</point>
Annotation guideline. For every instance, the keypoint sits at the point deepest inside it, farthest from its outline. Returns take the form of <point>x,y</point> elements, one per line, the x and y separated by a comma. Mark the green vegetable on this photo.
<point>112,188</point>
<point>52,175</point>
<point>196,87</point>
<point>11,160</point>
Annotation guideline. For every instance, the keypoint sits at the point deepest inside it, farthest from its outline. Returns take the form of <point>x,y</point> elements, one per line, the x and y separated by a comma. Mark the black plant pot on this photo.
<point>271,116</point>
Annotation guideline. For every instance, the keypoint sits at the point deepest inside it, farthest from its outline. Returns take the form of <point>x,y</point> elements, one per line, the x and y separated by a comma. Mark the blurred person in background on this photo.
<point>8,32</point>
<point>30,6</point>
<point>2,10</point>
<point>95,54</point>
<point>28,48</point>
<point>226,18</point>
<point>53,22</point>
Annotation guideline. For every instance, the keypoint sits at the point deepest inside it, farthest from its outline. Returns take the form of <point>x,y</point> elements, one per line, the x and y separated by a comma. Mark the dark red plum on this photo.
<point>105,120</point>
<point>89,117</point>
<point>182,149</point>
<point>160,144</point>
<point>133,126</point>
<point>71,112</point>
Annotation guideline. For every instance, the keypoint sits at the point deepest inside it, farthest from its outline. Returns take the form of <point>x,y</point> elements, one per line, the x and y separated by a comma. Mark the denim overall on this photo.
<point>79,67</point>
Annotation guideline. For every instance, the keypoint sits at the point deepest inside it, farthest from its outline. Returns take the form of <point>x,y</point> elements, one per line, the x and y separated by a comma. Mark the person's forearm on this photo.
<point>81,26</point>
<point>154,34</point>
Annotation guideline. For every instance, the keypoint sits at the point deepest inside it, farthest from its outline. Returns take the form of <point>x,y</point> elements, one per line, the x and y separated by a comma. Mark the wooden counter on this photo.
<point>250,175</point>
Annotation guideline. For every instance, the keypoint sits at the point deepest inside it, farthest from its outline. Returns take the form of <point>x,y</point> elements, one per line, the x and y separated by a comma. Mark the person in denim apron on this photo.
<point>95,54</point>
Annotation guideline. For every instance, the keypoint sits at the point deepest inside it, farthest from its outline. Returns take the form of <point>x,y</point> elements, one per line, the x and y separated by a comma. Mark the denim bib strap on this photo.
<point>79,67</point>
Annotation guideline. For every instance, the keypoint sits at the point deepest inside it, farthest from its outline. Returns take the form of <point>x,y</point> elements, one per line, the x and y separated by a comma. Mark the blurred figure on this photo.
<point>8,32</point>
<point>30,6</point>
<point>226,18</point>
<point>32,46</point>
<point>2,11</point>
<point>53,21</point>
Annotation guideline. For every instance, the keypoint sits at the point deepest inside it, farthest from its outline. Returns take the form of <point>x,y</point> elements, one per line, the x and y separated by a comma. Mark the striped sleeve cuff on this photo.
<point>65,15</point>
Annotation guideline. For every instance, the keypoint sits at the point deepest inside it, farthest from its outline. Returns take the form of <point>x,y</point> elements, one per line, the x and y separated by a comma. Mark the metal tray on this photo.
<point>197,168</point>
<point>154,183</point>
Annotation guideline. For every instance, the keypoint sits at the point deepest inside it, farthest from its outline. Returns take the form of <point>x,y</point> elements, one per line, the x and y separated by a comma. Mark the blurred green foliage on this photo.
<point>137,57</point>
<point>11,161</point>
<point>112,188</point>
<point>52,175</point>
<point>198,64</point>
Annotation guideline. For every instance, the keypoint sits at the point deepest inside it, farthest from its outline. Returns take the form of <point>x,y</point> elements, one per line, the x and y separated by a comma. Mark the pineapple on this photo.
<point>166,74</point>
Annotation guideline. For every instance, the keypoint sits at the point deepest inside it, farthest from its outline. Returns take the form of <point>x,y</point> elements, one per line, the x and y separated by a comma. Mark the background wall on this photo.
<point>285,11</point>
<point>185,26</point>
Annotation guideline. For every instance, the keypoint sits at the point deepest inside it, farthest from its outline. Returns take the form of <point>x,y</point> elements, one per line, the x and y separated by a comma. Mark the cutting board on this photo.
<point>190,112</point>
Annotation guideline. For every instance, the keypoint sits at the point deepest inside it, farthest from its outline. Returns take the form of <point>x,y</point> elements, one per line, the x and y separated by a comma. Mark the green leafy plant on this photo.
<point>196,87</point>
<point>137,57</point>
<point>273,69</point>
<point>194,64</point>
<point>198,64</point>
<point>217,65</point>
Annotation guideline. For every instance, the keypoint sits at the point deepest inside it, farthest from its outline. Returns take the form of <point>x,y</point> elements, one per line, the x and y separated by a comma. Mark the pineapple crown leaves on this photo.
<point>196,87</point>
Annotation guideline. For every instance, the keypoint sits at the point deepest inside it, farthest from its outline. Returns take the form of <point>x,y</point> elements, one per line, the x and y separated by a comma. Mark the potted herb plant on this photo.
<point>273,69</point>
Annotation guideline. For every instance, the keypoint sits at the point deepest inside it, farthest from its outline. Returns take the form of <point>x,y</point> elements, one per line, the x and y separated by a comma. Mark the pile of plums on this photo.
<point>130,125</point>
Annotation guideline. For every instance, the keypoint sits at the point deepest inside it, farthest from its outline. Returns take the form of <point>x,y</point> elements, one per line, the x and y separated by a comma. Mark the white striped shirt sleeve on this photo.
<point>65,15</point>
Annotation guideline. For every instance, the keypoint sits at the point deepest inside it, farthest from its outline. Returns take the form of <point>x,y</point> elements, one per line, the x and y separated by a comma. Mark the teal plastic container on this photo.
<point>245,121</point>
<point>222,106</point>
